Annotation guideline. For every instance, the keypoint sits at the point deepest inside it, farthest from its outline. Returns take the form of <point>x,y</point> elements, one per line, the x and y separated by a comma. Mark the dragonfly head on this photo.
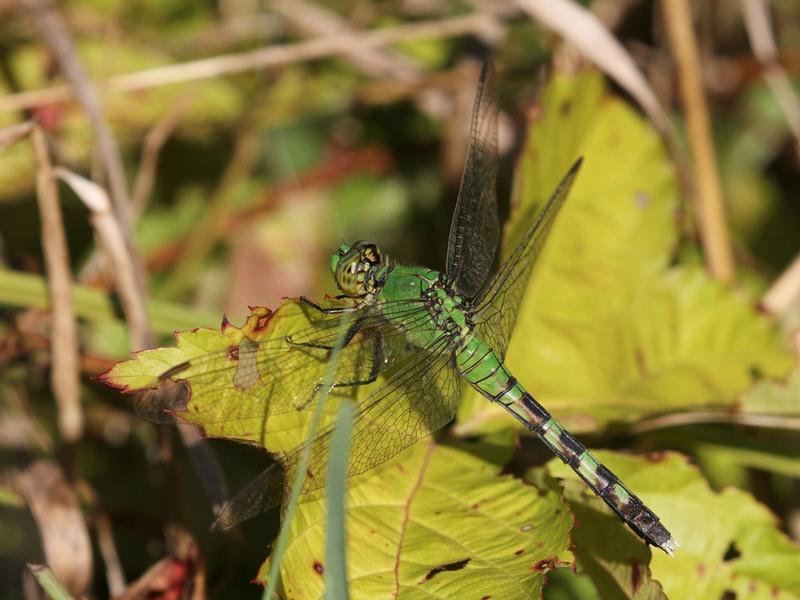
<point>356,268</point>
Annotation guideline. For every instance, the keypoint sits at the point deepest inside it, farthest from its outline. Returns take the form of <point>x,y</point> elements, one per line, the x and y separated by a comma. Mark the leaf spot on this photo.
<point>732,552</point>
<point>233,353</point>
<point>641,200</point>
<point>318,567</point>
<point>453,566</point>
<point>641,362</point>
<point>519,552</point>
<point>546,564</point>
<point>728,595</point>
<point>636,576</point>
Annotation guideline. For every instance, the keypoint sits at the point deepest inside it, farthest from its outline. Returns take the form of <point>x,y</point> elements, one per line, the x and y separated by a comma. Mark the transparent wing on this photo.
<point>419,396</point>
<point>497,305</point>
<point>475,230</point>
<point>285,371</point>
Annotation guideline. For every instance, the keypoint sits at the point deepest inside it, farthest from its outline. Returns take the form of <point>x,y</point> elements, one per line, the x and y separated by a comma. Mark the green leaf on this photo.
<point>729,542</point>
<point>608,553</point>
<point>207,360</point>
<point>436,523</point>
<point>769,397</point>
<point>608,331</point>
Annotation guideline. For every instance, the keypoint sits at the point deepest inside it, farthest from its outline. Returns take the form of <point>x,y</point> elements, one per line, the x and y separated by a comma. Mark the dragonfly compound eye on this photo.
<point>347,273</point>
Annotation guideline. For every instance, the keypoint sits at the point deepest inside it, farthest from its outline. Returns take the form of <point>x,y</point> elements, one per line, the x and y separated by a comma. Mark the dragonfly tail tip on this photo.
<point>670,546</point>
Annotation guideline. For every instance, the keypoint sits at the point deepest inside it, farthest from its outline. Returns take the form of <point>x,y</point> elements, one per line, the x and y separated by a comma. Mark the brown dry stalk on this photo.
<point>55,34</point>
<point>153,142</point>
<point>62,528</point>
<point>586,32</point>
<point>64,374</point>
<point>708,188</point>
<point>759,30</point>
<point>270,56</point>
<point>785,291</point>
<point>109,234</point>
<point>14,133</point>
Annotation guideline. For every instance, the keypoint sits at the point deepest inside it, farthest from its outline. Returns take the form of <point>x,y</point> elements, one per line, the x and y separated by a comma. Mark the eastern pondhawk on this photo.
<point>422,333</point>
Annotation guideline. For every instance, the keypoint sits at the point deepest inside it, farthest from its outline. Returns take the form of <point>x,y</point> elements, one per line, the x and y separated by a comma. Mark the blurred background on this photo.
<point>235,143</point>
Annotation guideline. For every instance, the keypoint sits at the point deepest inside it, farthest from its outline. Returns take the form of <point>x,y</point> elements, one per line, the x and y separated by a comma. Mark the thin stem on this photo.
<point>55,34</point>
<point>276,55</point>
<point>65,370</point>
<point>698,418</point>
<point>49,582</point>
<point>784,291</point>
<point>759,30</point>
<point>708,188</point>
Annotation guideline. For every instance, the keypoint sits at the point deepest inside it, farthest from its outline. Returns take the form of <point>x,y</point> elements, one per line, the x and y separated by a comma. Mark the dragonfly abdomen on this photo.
<point>484,369</point>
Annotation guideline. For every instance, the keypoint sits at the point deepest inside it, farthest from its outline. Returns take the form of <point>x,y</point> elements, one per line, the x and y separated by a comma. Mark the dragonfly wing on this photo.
<point>283,372</point>
<point>497,306</point>
<point>418,397</point>
<point>475,230</point>
<point>261,494</point>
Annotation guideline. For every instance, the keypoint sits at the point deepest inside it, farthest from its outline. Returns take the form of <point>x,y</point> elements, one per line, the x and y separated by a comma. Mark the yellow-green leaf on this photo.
<point>608,331</point>
<point>436,523</point>
<point>729,543</point>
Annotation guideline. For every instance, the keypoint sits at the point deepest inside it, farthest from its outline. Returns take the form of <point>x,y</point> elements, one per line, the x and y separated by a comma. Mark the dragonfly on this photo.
<point>412,338</point>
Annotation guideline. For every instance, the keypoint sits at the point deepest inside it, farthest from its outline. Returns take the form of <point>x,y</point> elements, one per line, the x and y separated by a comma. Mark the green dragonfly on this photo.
<point>418,335</point>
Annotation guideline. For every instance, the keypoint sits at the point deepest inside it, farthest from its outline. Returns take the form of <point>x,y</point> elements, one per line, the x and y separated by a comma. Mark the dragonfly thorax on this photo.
<point>450,312</point>
<point>359,269</point>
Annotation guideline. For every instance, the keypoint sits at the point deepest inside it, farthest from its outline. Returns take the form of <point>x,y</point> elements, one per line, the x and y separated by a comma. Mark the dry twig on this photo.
<point>756,19</point>
<point>731,418</point>
<point>111,239</point>
<point>153,142</point>
<point>708,188</point>
<point>64,373</point>
<point>14,133</point>
<point>784,291</point>
<point>55,34</point>
<point>257,59</point>
<point>588,34</point>
<point>63,531</point>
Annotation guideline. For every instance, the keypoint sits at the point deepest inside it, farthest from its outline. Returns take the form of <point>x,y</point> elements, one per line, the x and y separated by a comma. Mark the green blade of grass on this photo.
<point>335,543</point>
<point>50,584</point>
<point>30,291</point>
<point>300,473</point>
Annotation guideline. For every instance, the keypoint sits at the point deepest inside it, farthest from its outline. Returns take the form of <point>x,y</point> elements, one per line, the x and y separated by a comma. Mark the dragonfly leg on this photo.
<point>331,310</point>
<point>348,337</point>
<point>377,360</point>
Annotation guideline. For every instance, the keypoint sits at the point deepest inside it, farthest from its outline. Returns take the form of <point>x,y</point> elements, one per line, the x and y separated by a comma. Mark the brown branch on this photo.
<point>276,55</point>
<point>64,374</point>
<point>708,188</point>
<point>62,528</point>
<point>730,418</point>
<point>756,20</point>
<point>55,34</point>
<point>111,239</point>
<point>585,31</point>
<point>14,133</point>
<point>153,142</point>
<point>784,291</point>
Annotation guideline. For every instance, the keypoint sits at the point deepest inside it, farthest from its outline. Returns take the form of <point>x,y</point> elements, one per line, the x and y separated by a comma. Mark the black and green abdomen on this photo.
<point>485,371</point>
